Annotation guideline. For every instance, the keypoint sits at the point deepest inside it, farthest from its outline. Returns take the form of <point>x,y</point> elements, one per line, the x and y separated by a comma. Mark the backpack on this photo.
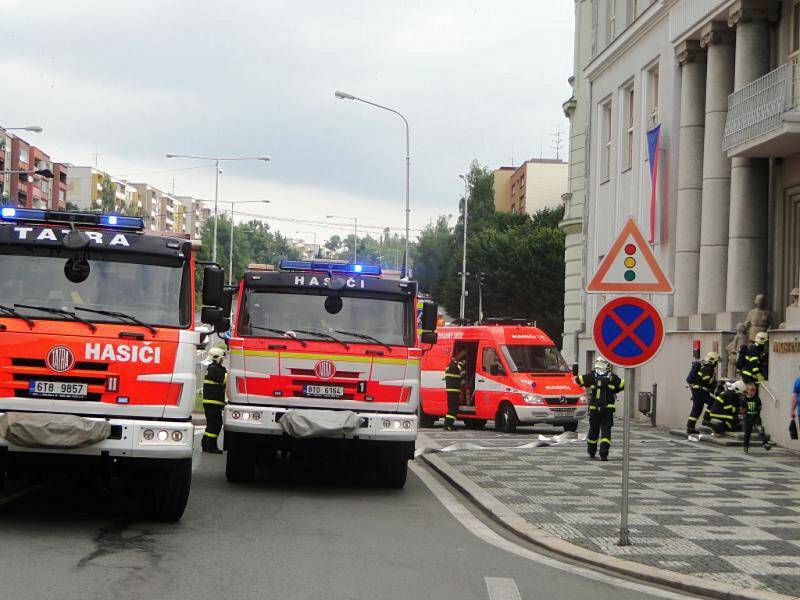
<point>690,378</point>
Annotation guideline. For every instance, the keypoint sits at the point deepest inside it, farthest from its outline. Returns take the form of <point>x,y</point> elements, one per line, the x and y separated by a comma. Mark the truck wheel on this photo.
<point>475,423</point>
<point>506,419</point>
<point>425,420</point>
<point>240,466</point>
<point>573,426</point>
<point>169,491</point>
<point>392,468</point>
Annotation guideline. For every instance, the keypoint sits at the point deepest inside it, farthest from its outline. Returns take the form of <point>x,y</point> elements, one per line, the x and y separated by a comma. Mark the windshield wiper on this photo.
<point>366,337</point>
<point>324,335</point>
<point>10,311</point>
<point>119,315</point>
<point>281,332</point>
<point>59,311</point>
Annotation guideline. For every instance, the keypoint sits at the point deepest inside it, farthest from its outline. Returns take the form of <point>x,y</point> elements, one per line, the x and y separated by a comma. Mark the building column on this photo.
<point>718,40</point>
<point>692,60</point>
<point>747,234</point>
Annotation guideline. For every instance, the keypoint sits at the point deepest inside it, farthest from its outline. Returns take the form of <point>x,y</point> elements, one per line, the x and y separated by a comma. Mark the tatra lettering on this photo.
<point>46,234</point>
<point>95,236</point>
<point>23,232</point>
<point>119,240</point>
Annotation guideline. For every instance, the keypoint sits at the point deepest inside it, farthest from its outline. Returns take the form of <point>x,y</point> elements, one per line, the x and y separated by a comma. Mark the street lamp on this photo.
<point>217,160</point>
<point>314,233</point>
<point>464,256</point>
<point>355,234</point>
<point>32,128</point>
<point>346,96</point>
<point>230,256</point>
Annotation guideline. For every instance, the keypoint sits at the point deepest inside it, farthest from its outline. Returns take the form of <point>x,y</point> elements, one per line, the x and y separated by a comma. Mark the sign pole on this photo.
<point>624,537</point>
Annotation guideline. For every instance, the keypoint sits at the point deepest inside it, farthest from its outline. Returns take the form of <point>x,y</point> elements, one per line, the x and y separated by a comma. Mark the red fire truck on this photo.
<point>325,356</point>
<point>515,376</point>
<point>97,351</point>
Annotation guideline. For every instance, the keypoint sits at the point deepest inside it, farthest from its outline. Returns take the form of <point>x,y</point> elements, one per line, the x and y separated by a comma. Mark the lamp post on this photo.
<point>32,128</point>
<point>217,160</point>
<point>230,256</point>
<point>314,233</point>
<point>464,256</point>
<point>479,277</point>
<point>346,96</point>
<point>355,234</point>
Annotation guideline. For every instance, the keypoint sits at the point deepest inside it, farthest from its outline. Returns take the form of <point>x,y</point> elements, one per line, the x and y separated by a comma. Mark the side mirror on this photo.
<point>224,325</point>
<point>575,369</point>
<point>213,285</point>
<point>227,299</point>
<point>212,315</point>
<point>429,337</point>
<point>430,311</point>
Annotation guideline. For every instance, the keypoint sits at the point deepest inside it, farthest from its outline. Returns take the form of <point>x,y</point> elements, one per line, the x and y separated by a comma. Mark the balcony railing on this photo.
<point>758,108</point>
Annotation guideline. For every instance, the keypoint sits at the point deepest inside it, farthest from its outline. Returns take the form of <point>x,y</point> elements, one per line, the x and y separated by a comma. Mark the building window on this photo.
<point>606,138</point>
<point>652,97</point>
<point>612,21</point>
<point>629,113</point>
<point>513,188</point>
<point>633,10</point>
<point>513,207</point>
<point>522,179</point>
<point>23,155</point>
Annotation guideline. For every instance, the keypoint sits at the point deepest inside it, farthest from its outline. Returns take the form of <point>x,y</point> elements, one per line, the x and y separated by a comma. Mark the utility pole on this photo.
<point>480,296</point>
<point>557,142</point>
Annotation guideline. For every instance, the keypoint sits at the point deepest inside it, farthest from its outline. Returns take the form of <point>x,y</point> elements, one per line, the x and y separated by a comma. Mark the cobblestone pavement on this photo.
<point>699,509</point>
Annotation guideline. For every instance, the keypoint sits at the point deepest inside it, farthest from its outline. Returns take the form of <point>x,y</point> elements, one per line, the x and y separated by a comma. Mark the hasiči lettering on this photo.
<point>123,353</point>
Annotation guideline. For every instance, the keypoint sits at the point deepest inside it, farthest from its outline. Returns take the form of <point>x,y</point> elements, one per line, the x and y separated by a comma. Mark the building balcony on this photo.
<point>764,116</point>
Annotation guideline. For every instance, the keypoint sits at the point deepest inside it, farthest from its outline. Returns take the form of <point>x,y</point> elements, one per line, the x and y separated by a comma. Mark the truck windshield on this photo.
<point>152,290</point>
<point>382,317</point>
<point>534,359</point>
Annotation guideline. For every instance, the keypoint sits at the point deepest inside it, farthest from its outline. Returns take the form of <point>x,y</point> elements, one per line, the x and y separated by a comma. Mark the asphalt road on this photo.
<point>292,535</point>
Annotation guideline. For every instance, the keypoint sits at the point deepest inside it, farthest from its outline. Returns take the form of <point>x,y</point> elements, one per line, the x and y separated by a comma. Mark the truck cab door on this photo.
<point>489,381</point>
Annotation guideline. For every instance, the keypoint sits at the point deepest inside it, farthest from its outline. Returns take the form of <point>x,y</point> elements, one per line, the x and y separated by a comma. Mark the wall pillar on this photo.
<point>747,233</point>
<point>718,40</point>
<point>692,60</point>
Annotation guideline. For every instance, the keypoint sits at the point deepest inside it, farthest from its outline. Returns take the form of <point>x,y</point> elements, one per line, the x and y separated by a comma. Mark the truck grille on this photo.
<point>561,401</point>
<point>24,370</point>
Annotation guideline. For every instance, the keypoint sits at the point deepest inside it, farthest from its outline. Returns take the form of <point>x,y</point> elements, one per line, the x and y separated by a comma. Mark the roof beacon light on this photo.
<point>32,215</point>
<point>8,212</point>
<point>325,266</point>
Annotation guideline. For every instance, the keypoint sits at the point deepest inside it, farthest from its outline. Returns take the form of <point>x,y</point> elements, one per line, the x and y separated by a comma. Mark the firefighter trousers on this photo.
<point>599,436</point>
<point>700,399</point>
<point>213,424</point>
<point>751,421</point>
<point>453,402</point>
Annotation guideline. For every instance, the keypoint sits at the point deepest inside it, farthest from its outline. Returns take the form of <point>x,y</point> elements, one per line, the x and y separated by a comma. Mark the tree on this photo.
<point>334,243</point>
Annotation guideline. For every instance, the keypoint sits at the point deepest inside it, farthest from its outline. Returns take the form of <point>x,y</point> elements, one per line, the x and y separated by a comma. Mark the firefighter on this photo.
<point>726,407</point>
<point>455,378</point>
<point>753,360</point>
<point>703,378</point>
<point>214,399</point>
<point>604,385</point>
<point>751,413</point>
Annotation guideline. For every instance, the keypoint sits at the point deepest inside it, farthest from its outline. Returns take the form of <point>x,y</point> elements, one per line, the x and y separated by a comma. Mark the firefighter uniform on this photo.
<point>724,410</point>
<point>702,394</point>
<point>754,363</point>
<point>603,390</point>
<point>455,378</point>
<point>213,404</point>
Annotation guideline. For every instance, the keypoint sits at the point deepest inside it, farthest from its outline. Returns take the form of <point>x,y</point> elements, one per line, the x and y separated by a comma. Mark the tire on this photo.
<point>169,491</point>
<point>425,420</point>
<point>240,466</point>
<point>392,468</point>
<point>573,426</point>
<point>506,419</point>
<point>475,423</point>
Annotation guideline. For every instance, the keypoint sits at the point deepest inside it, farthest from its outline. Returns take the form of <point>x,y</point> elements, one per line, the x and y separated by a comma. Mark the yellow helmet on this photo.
<point>712,357</point>
<point>740,387</point>
<point>761,338</point>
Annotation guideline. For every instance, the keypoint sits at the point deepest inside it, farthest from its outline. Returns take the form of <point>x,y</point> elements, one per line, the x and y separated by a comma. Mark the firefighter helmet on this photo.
<point>740,387</point>
<point>761,338</point>
<point>601,365</point>
<point>216,355</point>
<point>712,357</point>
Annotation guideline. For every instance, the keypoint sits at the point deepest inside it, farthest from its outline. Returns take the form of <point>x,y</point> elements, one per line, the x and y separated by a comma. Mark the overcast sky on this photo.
<point>132,80</point>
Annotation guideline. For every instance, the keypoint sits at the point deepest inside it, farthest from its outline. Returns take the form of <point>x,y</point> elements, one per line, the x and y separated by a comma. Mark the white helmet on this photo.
<point>761,338</point>
<point>712,357</point>
<point>216,355</point>
<point>601,365</point>
<point>740,387</point>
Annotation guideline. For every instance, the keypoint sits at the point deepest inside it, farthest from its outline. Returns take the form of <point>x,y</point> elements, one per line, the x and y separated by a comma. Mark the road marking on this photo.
<point>502,588</point>
<point>485,533</point>
<point>21,494</point>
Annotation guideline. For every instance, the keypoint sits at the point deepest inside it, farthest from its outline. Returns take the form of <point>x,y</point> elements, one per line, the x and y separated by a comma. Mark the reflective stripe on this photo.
<point>449,416</point>
<point>212,435</point>
<point>606,440</point>
<point>591,441</point>
<point>725,417</point>
<point>213,402</point>
<point>209,382</point>
<point>452,390</point>
<point>693,418</point>
<point>580,379</point>
<point>621,383</point>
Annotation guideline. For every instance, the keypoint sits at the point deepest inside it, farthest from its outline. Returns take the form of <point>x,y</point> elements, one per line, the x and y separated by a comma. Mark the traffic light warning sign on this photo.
<point>630,267</point>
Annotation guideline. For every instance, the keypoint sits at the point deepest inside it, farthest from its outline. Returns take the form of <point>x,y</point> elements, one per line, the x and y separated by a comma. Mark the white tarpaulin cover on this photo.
<point>46,430</point>
<point>319,423</point>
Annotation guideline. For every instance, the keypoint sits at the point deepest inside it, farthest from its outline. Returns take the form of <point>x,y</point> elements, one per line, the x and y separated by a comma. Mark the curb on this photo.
<point>509,519</point>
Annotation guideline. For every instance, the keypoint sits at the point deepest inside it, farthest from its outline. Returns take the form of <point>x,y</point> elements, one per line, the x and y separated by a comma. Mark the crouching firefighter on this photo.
<point>702,380</point>
<point>603,385</point>
<point>725,410</point>
<point>455,381</point>
<point>214,399</point>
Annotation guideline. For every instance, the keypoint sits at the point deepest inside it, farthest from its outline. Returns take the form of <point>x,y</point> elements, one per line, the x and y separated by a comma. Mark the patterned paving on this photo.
<point>699,509</point>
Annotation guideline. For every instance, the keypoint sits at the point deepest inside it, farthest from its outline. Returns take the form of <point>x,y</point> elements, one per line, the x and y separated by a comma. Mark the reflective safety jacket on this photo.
<point>706,378</point>
<point>455,376</point>
<point>603,389</point>
<point>754,366</point>
<point>725,406</point>
<point>214,384</point>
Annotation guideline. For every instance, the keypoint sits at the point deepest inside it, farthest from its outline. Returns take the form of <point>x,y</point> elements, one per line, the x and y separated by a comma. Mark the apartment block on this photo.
<point>536,184</point>
<point>29,189</point>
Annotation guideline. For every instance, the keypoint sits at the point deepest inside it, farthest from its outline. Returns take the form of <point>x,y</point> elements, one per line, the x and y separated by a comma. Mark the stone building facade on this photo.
<point>722,78</point>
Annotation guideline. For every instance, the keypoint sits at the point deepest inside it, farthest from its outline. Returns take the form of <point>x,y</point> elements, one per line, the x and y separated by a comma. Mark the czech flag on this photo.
<point>653,147</point>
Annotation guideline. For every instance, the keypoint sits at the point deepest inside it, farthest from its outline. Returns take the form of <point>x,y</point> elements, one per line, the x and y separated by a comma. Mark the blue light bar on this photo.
<point>16,214</point>
<point>336,267</point>
<point>12,213</point>
<point>121,222</point>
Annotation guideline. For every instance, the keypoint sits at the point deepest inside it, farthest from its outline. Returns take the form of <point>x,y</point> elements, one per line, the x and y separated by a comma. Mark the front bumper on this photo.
<point>128,440</point>
<point>549,414</point>
<point>401,427</point>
